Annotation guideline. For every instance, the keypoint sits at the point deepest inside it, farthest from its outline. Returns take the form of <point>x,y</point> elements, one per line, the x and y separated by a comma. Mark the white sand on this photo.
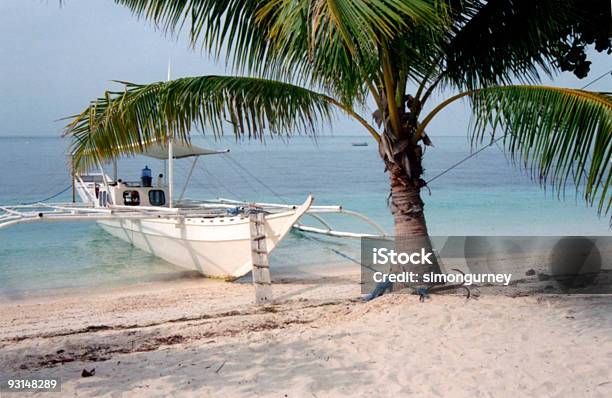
<point>204,338</point>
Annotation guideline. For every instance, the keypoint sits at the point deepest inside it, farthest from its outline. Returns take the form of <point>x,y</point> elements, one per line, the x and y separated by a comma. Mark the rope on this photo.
<point>240,174</point>
<point>220,183</point>
<point>249,154</point>
<point>244,169</point>
<point>49,198</point>
<point>597,79</point>
<point>464,160</point>
<point>339,253</point>
<point>500,138</point>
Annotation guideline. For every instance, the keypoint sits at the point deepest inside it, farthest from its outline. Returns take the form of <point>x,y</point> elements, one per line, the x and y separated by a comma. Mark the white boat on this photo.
<point>214,237</point>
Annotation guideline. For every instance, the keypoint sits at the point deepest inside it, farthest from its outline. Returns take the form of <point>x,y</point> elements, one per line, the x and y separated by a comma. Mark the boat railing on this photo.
<point>18,214</point>
<point>146,208</point>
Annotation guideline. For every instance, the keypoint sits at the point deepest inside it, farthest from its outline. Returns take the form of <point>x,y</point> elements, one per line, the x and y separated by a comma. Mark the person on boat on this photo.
<point>146,178</point>
<point>120,183</point>
<point>160,181</point>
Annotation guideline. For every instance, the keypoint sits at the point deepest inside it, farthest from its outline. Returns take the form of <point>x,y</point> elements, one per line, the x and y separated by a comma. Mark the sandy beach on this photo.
<point>198,337</point>
<point>310,199</point>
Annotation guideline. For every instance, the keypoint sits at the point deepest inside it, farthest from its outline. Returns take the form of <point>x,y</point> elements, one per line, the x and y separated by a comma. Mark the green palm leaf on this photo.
<point>560,134</point>
<point>125,122</point>
<point>331,45</point>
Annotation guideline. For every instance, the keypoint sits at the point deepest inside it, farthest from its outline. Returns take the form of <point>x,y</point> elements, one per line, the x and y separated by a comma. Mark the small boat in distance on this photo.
<point>359,144</point>
<point>213,237</point>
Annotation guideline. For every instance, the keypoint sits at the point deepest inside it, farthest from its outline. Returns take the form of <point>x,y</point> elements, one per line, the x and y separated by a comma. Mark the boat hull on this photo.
<point>218,247</point>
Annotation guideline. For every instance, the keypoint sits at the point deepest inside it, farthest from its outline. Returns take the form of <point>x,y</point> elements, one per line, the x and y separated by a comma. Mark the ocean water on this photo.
<point>486,195</point>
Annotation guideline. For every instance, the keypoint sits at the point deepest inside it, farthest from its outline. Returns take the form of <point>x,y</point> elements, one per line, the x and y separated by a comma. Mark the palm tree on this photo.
<point>302,60</point>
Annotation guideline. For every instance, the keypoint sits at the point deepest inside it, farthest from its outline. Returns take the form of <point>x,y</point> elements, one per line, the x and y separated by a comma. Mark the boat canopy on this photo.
<point>179,151</point>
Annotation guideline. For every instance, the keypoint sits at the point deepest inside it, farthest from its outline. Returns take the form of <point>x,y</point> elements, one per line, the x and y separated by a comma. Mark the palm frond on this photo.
<point>330,45</point>
<point>497,42</point>
<point>125,122</point>
<point>560,134</point>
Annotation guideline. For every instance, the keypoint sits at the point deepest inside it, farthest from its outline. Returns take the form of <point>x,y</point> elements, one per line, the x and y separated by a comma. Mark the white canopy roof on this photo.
<point>180,151</point>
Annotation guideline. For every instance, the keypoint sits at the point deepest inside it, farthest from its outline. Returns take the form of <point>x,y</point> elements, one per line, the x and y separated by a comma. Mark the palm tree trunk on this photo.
<point>406,204</point>
<point>405,171</point>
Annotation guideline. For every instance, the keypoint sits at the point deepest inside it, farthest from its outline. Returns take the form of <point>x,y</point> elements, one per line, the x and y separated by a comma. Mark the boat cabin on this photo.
<point>92,189</point>
<point>101,190</point>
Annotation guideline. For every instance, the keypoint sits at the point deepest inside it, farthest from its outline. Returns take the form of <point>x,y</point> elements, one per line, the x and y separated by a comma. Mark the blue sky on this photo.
<point>54,59</point>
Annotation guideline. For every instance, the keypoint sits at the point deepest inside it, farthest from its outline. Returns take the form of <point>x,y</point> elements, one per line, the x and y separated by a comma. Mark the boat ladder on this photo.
<point>259,256</point>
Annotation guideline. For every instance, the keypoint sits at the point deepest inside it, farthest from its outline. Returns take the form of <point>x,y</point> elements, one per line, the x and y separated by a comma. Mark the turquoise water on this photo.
<point>484,196</point>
